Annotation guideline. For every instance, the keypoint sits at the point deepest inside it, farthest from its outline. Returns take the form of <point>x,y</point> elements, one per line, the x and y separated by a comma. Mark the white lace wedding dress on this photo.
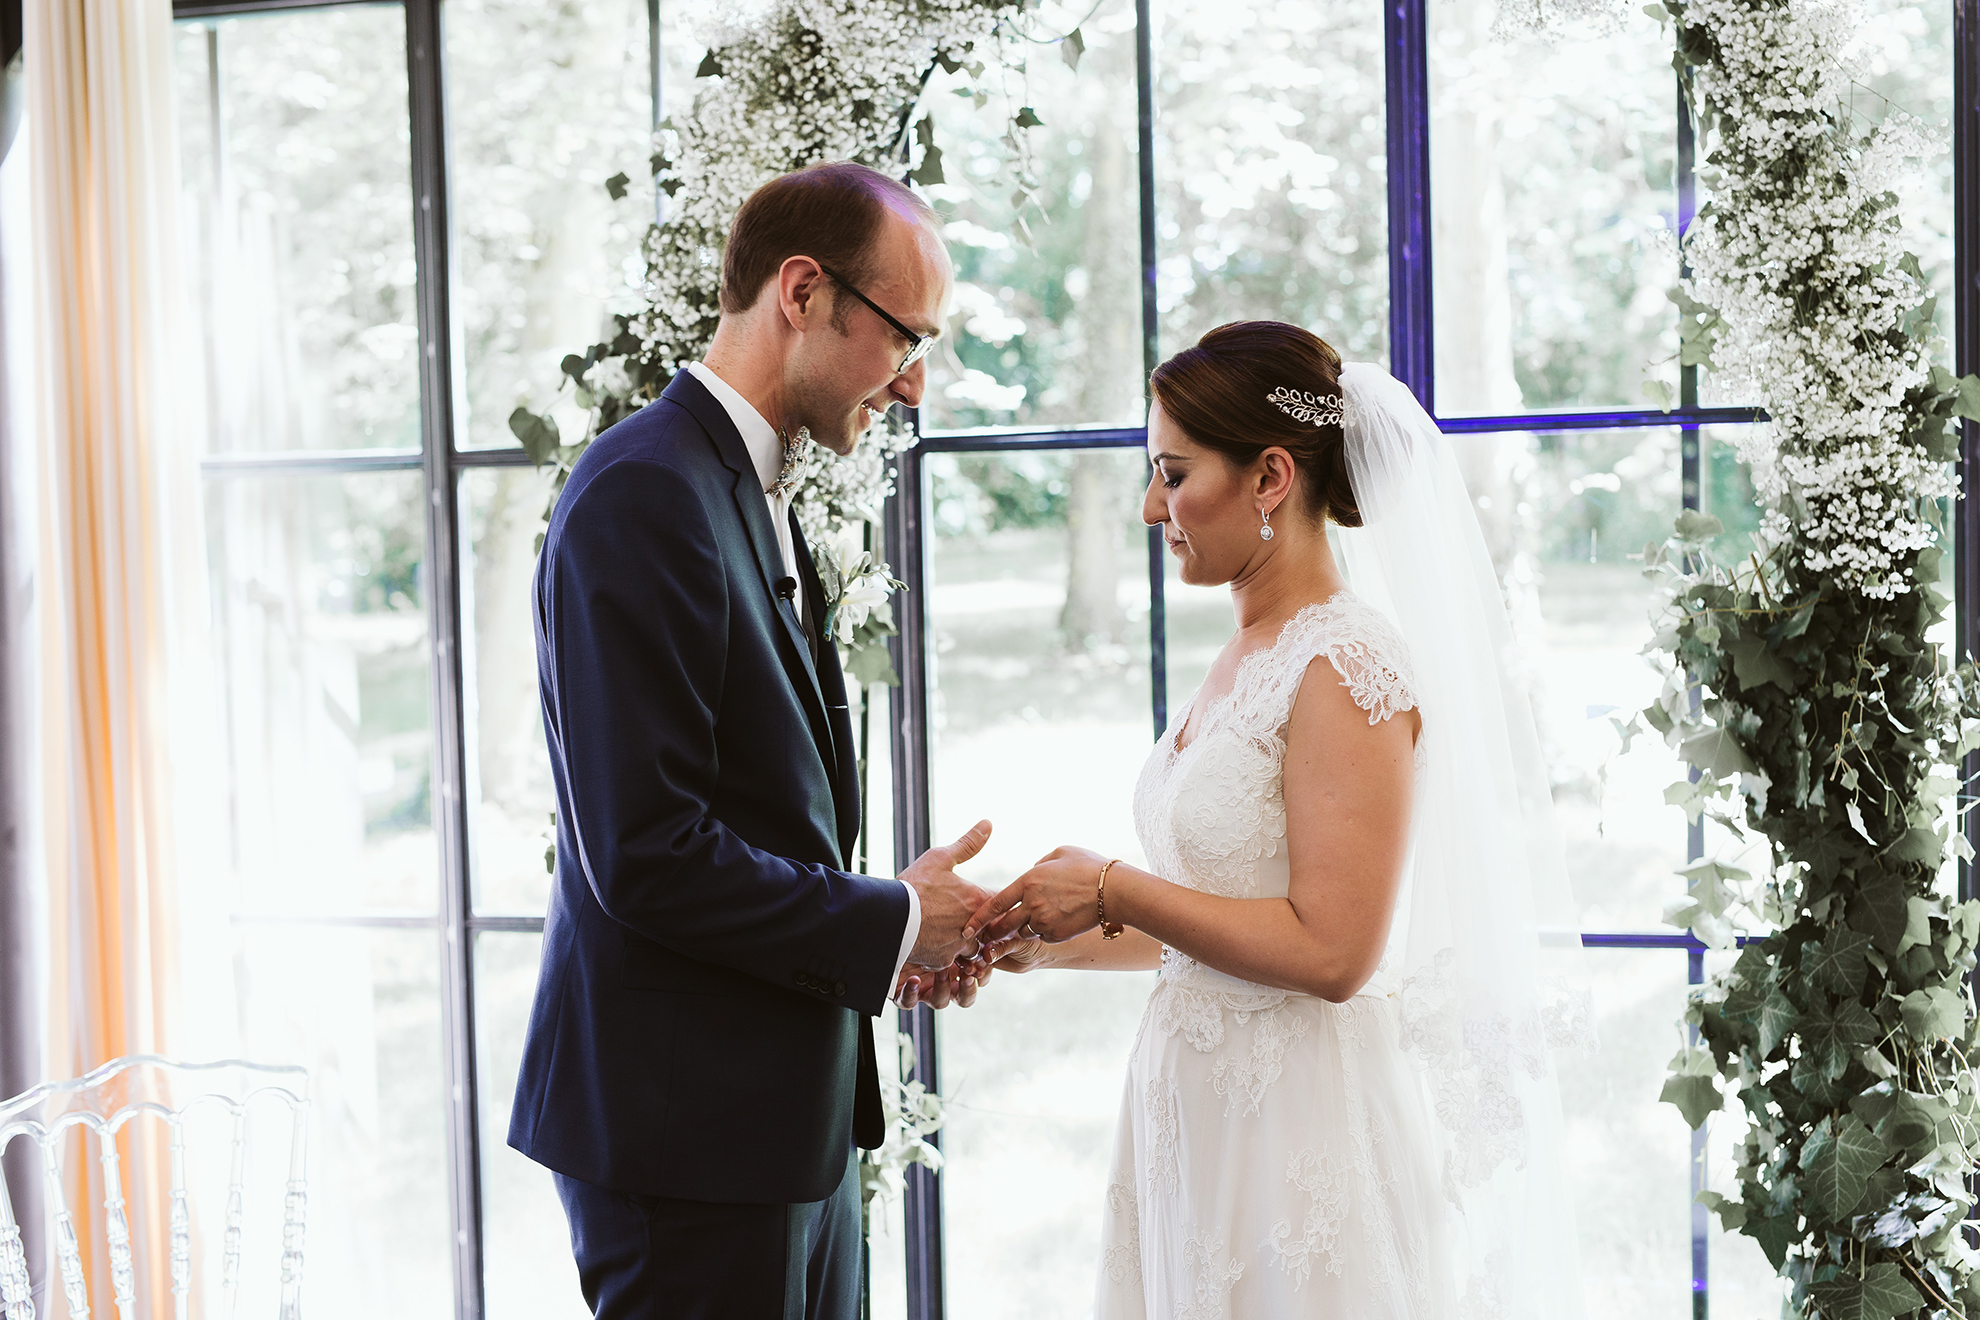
<point>1276,1157</point>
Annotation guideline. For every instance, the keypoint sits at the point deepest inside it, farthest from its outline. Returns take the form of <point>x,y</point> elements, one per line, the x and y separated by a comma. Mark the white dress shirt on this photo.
<point>766,452</point>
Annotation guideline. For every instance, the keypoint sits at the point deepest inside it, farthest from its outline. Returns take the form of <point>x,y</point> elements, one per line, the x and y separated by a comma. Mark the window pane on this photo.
<point>1628,1156</point>
<point>1037,600</point>
<point>1562,514</point>
<point>543,252</point>
<point>325,682</point>
<point>361,1010</point>
<point>513,797</point>
<point>1272,170</point>
<point>1200,620</point>
<point>1047,329</point>
<point>1553,190</point>
<point>297,172</point>
<point>527,1267</point>
<point>1910,68</point>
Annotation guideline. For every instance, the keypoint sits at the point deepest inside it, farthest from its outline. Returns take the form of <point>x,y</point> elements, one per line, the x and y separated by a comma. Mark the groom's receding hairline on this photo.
<point>832,212</point>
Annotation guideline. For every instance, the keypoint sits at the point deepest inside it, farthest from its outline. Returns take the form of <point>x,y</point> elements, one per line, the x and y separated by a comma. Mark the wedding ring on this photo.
<point>1026,931</point>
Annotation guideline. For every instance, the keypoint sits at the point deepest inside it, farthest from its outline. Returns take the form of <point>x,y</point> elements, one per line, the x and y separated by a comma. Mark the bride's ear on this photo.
<point>1276,477</point>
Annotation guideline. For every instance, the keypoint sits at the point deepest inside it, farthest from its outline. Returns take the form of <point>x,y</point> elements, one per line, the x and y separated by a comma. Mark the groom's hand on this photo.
<point>947,900</point>
<point>939,987</point>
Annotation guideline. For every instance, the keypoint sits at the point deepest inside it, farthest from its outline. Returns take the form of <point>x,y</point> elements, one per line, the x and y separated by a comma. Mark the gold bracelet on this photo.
<point>1107,932</point>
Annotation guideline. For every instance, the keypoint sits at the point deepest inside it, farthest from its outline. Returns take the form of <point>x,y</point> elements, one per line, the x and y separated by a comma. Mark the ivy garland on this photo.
<point>1801,686</point>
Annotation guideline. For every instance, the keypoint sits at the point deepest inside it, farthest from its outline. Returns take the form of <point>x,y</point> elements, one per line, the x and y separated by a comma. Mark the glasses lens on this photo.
<point>916,353</point>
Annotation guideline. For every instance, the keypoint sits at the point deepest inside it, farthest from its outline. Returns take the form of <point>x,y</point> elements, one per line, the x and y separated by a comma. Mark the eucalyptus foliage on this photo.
<point>1803,690</point>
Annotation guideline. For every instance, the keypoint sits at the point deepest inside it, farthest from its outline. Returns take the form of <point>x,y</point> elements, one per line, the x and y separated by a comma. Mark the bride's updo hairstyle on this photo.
<point>1217,393</point>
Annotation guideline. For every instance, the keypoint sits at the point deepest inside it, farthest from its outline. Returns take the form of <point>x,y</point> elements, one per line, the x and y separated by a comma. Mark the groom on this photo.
<point>699,1063</point>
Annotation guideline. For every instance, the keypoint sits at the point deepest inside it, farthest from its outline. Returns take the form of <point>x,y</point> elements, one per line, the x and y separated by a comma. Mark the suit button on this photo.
<point>799,977</point>
<point>838,987</point>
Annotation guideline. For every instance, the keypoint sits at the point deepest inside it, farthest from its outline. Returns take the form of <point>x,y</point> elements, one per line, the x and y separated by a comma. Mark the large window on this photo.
<point>401,224</point>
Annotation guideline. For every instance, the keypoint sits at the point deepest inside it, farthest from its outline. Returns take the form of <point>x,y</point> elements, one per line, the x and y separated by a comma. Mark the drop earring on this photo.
<point>1265,531</point>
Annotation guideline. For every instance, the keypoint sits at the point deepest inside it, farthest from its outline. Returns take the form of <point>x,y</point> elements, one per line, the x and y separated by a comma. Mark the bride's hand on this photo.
<point>1053,901</point>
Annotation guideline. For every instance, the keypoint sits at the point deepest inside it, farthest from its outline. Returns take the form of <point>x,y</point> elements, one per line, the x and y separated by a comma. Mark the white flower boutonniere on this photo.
<point>857,585</point>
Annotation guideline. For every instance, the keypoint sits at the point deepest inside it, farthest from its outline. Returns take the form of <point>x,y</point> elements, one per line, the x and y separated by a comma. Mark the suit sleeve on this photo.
<point>635,611</point>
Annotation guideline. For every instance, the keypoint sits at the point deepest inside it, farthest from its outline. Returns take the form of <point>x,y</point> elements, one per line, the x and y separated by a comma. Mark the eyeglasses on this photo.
<point>918,344</point>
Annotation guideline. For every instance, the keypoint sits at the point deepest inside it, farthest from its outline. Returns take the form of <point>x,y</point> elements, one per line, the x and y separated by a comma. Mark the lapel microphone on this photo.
<point>787,588</point>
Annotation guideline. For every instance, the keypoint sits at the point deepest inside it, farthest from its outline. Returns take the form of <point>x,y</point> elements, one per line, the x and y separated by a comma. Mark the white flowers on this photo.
<point>857,584</point>
<point>1800,255</point>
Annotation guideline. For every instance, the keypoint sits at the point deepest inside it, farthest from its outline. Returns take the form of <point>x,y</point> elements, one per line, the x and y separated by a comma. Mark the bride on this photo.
<point>1341,1102</point>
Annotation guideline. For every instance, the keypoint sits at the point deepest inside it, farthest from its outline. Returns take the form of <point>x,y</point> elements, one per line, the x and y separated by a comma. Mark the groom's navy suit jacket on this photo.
<point>701,1025</point>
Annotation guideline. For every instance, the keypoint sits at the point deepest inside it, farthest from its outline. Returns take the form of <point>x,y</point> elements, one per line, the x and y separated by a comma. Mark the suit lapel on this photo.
<point>751,507</point>
<point>832,684</point>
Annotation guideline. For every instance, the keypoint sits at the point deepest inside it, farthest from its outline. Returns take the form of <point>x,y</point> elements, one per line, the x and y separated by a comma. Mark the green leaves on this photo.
<point>1831,1034</point>
<point>929,172</point>
<point>1028,118</point>
<point>1690,1087</point>
<point>1838,1160</point>
<point>1716,752</point>
<point>1071,48</point>
<point>1967,403</point>
<point>538,435</point>
<point>1934,1012</point>
<point>1755,663</point>
<point>710,66</point>
<point>1880,911</point>
<point>1697,528</point>
<point>1838,964</point>
<point>616,185</point>
<point>1879,1294</point>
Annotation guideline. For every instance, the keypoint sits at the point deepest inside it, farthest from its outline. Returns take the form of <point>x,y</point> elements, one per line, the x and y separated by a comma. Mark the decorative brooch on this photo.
<point>1314,409</point>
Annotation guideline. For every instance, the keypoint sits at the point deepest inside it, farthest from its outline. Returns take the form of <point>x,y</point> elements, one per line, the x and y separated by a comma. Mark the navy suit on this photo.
<point>701,1030</point>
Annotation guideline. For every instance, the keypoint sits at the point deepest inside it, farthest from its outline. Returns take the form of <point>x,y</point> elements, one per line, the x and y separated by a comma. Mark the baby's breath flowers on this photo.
<point>1819,310</point>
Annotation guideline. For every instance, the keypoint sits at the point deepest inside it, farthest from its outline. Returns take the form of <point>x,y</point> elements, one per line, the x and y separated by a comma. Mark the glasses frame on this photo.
<point>918,344</point>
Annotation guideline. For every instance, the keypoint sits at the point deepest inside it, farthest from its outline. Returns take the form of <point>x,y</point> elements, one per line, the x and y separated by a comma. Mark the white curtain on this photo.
<point>119,591</point>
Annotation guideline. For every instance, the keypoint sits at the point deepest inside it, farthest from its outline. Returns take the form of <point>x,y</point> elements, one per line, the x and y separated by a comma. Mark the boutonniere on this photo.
<point>857,584</point>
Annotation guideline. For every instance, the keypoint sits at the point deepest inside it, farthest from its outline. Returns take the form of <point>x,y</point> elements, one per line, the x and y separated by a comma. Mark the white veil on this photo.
<point>1486,945</point>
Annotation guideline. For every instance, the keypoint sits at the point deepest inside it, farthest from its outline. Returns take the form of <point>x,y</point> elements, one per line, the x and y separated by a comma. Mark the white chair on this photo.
<point>103,1102</point>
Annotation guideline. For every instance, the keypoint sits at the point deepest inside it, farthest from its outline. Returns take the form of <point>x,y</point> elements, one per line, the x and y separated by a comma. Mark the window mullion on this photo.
<point>1151,347</point>
<point>1412,345</point>
<point>1966,354</point>
<point>907,548</point>
<point>437,392</point>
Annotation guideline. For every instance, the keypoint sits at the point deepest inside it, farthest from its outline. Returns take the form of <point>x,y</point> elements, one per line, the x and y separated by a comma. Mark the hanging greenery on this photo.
<point>1803,690</point>
<point>781,87</point>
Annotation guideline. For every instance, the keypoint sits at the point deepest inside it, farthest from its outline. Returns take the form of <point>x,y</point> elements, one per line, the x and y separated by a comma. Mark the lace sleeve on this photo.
<point>1369,655</point>
<point>1357,639</point>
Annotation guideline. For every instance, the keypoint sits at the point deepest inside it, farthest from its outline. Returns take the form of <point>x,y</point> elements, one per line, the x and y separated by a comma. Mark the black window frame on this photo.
<point>442,461</point>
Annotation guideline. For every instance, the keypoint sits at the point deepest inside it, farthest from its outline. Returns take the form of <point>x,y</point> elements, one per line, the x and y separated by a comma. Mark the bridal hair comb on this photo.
<point>1316,409</point>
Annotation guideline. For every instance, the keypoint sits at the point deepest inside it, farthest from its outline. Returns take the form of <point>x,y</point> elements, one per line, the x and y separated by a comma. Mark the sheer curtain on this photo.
<point>118,591</point>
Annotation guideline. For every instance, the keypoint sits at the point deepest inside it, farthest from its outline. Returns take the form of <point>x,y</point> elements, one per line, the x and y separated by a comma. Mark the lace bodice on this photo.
<point>1212,815</point>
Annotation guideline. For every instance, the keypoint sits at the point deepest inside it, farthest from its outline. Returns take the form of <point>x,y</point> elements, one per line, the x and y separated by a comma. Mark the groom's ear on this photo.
<point>800,292</point>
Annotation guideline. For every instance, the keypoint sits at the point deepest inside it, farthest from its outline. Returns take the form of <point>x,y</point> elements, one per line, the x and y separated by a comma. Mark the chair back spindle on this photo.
<point>102,1104</point>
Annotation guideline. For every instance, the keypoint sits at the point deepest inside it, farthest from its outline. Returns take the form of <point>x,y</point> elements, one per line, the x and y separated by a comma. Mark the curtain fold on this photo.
<point>118,574</point>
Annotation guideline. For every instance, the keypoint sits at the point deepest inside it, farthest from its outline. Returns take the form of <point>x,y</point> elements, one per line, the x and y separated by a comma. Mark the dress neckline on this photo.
<point>1173,738</point>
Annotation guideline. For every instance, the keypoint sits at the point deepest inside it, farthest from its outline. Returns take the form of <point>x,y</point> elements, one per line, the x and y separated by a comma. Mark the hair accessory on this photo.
<point>1317,409</point>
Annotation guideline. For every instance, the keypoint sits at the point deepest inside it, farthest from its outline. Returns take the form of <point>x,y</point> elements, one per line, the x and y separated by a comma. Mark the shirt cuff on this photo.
<point>907,936</point>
